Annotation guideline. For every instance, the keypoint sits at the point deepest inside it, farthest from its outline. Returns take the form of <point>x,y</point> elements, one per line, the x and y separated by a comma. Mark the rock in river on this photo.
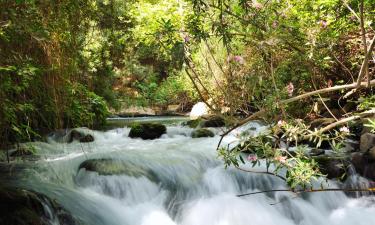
<point>147,130</point>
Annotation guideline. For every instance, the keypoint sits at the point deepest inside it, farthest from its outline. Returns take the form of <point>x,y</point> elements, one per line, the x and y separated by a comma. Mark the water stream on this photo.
<point>185,184</point>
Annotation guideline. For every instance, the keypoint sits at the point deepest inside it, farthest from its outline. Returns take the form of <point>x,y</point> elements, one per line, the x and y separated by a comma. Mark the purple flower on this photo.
<point>186,38</point>
<point>238,59</point>
<point>323,23</point>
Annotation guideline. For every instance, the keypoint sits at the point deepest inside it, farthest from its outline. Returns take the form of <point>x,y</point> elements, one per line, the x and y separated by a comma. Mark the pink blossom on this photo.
<point>323,23</point>
<point>290,89</point>
<point>281,123</point>
<point>344,130</point>
<point>257,5</point>
<point>281,159</point>
<point>238,59</point>
<point>252,157</point>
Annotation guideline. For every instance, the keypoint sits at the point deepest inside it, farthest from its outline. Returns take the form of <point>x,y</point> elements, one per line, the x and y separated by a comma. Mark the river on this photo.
<point>181,181</point>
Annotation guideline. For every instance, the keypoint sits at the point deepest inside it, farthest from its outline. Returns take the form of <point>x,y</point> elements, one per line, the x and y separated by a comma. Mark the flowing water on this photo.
<point>185,184</point>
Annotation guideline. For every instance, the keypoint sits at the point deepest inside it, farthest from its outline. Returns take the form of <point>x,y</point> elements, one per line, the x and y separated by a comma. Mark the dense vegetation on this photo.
<point>68,63</point>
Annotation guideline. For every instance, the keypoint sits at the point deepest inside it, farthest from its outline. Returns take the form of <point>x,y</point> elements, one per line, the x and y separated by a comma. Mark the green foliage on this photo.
<point>366,103</point>
<point>371,125</point>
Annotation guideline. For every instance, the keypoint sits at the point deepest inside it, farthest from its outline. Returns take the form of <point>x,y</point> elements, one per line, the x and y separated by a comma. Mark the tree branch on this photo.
<point>343,121</point>
<point>362,72</point>
<point>309,191</point>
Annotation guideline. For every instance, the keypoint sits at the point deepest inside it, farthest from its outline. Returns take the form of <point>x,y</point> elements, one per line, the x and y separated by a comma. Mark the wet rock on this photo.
<point>202,133</point>
<point>371,154</point>
<point>333,166</point>
<point>363,165</point>
<point>214,121</point>
<point>367,141</point>
<point>23,207</point>
<point>147,130</point>
<point>107,167</point>
<point>75,135</point>
<point>87,138</point>
<point>80,136</point>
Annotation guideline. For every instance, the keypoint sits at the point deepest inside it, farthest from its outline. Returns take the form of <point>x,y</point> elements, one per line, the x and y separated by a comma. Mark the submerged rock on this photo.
<point>193,123</point>
<point>108,167</point>
<point>213,121</point>
<point>80,136</point>
<point>202,133</point>
<point>87,138</point>
<point>147,130</point>
<point>23,207</point>
<point>68,136</point>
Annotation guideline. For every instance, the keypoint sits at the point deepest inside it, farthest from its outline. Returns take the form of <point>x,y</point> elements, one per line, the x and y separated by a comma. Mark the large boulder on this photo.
<point>367,141</point>
<point>23,207</point>
<point>202,133</point>
<point>147,130</point>
<point>199,109</point>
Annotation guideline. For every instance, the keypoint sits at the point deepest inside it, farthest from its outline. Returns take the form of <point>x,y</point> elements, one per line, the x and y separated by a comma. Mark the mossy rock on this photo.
<point>23,207</point>
<point>213,121</point>
<point>107,167</point>
<point>193,123</point>
<point>202,133</point>
<point>147,130</point>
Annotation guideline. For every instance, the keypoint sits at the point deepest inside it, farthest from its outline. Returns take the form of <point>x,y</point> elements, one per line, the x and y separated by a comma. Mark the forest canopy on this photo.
<point>70,63</point>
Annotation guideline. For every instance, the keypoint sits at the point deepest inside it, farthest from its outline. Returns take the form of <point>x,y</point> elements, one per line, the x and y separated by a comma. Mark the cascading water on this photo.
<point>175,180</point>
